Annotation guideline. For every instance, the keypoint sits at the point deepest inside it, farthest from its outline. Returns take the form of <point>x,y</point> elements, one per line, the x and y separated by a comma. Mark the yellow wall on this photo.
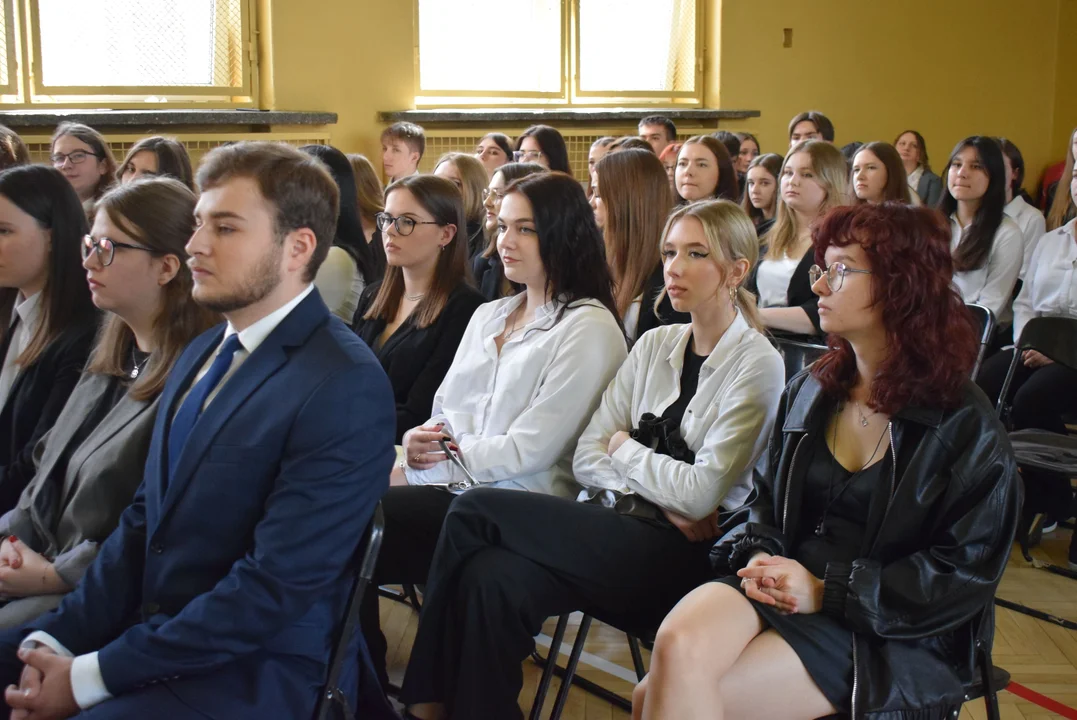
<point>949,68</point>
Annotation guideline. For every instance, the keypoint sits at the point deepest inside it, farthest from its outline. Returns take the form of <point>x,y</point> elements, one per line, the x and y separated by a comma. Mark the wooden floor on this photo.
<point>1039,655</point>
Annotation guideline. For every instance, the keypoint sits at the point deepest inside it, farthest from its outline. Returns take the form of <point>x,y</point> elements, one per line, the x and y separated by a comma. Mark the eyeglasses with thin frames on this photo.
<point>835,274</point>
<point>527,155</point>
<point>487,193</point>
<point>106,249</point>
<point>77,157</point>
<point>404,225</point>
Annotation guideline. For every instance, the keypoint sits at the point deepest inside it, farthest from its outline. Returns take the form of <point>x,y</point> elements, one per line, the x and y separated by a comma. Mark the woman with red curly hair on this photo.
<point>858,579</point>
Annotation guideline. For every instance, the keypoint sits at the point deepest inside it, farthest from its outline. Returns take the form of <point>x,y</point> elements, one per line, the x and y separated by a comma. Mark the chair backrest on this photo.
<point>797,353</point>
<point>985,321</point>
<point>1054,337</point>
<point>365,562</point>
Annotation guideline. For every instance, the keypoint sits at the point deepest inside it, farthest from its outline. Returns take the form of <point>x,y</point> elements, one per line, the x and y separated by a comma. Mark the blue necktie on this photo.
<point>191,409</point>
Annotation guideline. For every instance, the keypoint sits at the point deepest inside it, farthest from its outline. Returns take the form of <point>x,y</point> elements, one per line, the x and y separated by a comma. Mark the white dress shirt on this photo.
<point>87,684</point>
<point>992,285</point>
<point>1032,224</point>
<point>727,424</point>
<point>914,180</point>
<point>516,415</point>
<point>773,280</point>
<point>27,311</point>
<point>1050,287</point>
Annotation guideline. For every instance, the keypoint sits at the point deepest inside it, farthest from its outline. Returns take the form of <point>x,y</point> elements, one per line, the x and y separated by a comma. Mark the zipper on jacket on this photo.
<point>856,679</point>
<point>789,483</point>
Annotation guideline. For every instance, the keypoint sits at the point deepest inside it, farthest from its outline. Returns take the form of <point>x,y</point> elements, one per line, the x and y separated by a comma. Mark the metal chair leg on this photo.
<point>637,657</point>
<point>548,669</point>
<point>570,670</point>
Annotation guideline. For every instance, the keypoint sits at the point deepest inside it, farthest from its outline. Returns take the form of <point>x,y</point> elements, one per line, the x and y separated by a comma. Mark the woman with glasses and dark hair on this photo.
<point>987,246</point>
<point>857,579</point>
<point>526,378</point>
<point>544,145</point>
<point>91,461</point>
<point>83,156</point>
<point>414,318</point>
<point>49,320</point>
<point>156,157</point>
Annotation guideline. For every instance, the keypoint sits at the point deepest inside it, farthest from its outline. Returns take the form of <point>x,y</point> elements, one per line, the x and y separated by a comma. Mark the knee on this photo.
<point>679,645</point>
<point>639,694</point>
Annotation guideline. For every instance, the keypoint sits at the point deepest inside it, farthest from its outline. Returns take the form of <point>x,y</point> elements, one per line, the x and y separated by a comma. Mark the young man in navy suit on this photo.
<point>219,593</point>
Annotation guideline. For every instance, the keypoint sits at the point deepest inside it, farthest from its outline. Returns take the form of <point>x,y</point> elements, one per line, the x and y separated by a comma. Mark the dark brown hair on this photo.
<point>772,164</point>
<point>299,187</point>
<point>158,213</point>
<point>100,148</point>
<point>819,120</point>
<point>897,182</point>
<point>12,149</point>
<point>921,143</point>
<point>728,187</point>
<point>172,158</point>
<point>443,200</point>
<point>411,134</point>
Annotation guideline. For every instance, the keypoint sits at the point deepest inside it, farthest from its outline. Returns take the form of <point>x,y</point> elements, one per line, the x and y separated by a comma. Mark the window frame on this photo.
<point>570,94</point>
<point>29,92</point>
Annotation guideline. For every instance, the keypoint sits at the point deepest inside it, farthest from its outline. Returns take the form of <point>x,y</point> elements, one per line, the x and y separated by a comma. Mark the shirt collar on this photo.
<point>727,342</point>
<point>915,175</point>
<point>28,310</point>
<point>255,335</point>
<point>1013,207</point>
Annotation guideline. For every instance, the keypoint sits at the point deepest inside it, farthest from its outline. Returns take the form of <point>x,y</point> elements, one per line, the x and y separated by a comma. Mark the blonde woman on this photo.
<point>468,174</point>
<point>708,391</point>
<point>1062,208</point>
<point>814,178</point>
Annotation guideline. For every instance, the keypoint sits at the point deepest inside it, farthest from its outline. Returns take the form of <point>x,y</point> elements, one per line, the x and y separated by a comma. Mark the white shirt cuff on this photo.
<point>87,685</point>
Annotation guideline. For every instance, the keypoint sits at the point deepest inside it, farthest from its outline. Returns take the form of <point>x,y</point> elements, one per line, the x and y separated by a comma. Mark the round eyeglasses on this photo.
<point>106,249</point>
<point>835,274</point>
<point>404,225</point>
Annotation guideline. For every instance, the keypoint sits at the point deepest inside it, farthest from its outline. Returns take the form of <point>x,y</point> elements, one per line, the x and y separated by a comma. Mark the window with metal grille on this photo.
<point>549,51</point>
<point>130,51</point>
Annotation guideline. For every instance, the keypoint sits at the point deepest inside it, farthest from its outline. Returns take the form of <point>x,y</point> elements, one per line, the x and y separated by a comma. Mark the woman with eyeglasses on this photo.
<point>493,151</point>
<point>469,176</point>
<point>83,156</point>
<point>91,461</point>
<point>527,377</point>
<point>544,145</point>
<point>48,318</point>
<point>858,579</point>
<point>414,318</point>
<point>487,269</point>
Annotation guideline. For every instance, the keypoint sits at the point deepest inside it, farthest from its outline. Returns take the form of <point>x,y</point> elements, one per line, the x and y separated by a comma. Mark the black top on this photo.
<point>764,227</point>
<point>476,241</point>
<point>666,315</point>
<point>34,403</point>
<point>800,293</point>
<point>416,359</point>
<point>689,383</point>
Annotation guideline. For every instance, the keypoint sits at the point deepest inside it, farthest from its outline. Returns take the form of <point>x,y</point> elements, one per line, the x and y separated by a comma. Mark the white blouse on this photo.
<point>516,415</point>
<point>992,285</point>
<point>1032,224</point>
<point>773,279</point>
<point>1050,287</point>
<point>27,311</point>
<point>727,424</point>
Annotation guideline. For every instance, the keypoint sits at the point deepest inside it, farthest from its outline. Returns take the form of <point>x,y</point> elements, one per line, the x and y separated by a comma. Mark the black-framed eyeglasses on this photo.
<point>77,157</point>
<point>106,249</point>
<point>487,193</point>
<point>526,155</point>
<point>404,225</point>
<point>835,274</point>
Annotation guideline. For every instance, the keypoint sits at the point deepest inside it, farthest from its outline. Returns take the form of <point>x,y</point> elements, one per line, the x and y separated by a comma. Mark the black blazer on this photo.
<point>929,189</point>
<point>34,403</point>
<point>666,315</point>
<point>799,294</point>
<point>416,359</point>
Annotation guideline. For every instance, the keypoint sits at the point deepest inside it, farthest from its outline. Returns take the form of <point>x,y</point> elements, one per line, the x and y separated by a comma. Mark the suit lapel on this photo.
<point>293,331</point>
<point>126,411</point>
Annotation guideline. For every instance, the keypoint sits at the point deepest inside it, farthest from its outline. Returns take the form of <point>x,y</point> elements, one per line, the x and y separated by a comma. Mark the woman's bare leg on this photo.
<point>699,641</point>
<point>638,695</point>
<point>769,680</point>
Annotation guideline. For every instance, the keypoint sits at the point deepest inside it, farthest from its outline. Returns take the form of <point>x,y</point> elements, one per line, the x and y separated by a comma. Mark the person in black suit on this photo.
<point>415,317</point>
<point>632,199</point>
<point>45,304</point>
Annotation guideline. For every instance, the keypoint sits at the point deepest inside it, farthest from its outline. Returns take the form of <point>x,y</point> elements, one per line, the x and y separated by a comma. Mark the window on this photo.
<point>554,52</point>
<point>128,51</point>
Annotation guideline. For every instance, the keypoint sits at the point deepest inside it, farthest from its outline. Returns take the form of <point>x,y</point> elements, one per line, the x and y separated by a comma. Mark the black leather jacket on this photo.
<point>919,598</point>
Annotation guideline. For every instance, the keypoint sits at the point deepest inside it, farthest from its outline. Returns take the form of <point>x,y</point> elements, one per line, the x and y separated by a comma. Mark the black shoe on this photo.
<point>1073,552</point>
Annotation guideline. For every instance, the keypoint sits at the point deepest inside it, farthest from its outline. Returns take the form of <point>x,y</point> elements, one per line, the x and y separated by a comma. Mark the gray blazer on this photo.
<point>929,188</point>
<point>101,478</point>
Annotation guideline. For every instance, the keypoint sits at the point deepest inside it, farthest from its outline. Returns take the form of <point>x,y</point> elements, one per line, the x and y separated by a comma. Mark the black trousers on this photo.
<point>507,561</point>
<point>413,518</point>
<point>1039,398</point>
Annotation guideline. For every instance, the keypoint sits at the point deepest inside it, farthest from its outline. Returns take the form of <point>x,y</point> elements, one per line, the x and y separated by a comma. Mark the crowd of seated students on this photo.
<point>572,373</point>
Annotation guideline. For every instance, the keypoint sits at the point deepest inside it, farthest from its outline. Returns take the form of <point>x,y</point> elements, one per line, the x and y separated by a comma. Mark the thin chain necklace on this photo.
<point>820,529</point>
<point>414,298</point>
<point>860,412</point>
<point>136,366</point>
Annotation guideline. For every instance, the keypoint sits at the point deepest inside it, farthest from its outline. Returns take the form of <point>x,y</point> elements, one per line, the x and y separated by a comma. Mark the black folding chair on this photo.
<point>797,351</point>
<point>366,559</point>
<point>1055,338</point>
<point>985,321</point>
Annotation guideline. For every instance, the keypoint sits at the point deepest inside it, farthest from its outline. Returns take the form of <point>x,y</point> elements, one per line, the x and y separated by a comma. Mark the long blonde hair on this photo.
<point>833,174</point>
<point>731,236</point>
<point>473,182</point>
<point>1063,202</point>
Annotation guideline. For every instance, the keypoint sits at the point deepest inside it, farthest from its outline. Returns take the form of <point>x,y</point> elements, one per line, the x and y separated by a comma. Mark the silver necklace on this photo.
<point>863,419</point>
<point>413,298</point>
<point>136,366</point>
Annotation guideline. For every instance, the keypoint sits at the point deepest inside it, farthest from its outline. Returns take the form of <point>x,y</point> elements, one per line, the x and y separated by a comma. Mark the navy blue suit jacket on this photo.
<point>226,581</point>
